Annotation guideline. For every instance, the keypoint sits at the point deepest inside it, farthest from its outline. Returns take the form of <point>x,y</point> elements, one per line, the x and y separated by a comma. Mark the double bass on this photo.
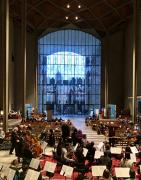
<point>33,145</point>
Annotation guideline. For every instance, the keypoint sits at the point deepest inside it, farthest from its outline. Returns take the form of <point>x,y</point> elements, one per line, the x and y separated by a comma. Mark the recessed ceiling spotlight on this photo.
<point>68,6</point>
<point>79,6</point>
<point>76,17</point>
<point>66,17</point>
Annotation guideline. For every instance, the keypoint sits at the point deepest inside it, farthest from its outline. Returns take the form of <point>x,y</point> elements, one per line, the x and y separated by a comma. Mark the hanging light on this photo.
<point>76,17</point>
<point>79,6</point>
<point>1,112</point>
<point>66,17</point>
<point>68,6</point>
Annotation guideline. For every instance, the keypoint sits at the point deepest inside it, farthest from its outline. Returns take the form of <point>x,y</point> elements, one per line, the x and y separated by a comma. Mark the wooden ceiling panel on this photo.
<point>109,20</point>
<point>98,14</point>
<point>101,9</point>
<point>117,3</point>
<point>126,10</point>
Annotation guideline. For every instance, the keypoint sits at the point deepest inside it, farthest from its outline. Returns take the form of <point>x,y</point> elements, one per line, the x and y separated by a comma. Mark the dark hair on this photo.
<point>107,146</point>
<point>127,155</point>
<point>132,173</point>
<point>106,173</point>
<point>127,149</point>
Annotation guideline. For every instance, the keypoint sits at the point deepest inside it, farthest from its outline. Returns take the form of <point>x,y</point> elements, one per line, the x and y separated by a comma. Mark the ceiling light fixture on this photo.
<point>66,17</point>
<point>79,6</point>
<point>76,17</point>
<point>68,6</point>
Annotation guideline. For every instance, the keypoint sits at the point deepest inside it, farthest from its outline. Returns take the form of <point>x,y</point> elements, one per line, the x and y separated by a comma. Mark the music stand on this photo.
<point>98,170</point>
<point>122,172</point>
<point>32,174</point>
<point>34,163</point>
<point>50,168</point>
<point>66,171</point>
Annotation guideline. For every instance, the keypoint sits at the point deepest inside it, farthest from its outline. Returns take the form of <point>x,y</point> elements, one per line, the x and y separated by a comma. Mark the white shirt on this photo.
<point>2,134</point>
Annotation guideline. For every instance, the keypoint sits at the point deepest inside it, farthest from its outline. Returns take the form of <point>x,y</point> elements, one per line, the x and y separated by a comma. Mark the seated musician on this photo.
<point>58,153</point>
<point>106,175</point>
<point>107,150</point>
<point>91,152</point>
<point>68,155</point>
<point>126,161</point>
<point>105,160</point>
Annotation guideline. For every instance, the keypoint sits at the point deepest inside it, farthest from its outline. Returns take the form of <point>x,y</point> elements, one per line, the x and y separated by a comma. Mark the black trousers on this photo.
<point>12,148</point>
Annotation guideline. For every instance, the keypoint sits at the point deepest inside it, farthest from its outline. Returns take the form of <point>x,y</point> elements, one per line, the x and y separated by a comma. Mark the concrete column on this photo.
<point>23,54</point>
<point>135,42</point>
<point>5,59</point>
<point>106,69</point>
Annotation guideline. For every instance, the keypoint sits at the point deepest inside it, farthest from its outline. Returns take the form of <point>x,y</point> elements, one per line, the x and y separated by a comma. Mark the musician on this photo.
<point>73,136</point>
<point>111,135</point>
<point>106,175</point>
<point>79,137</point>
<point>126,161</point>
<point>2,136</point>
<point>91,152</point>
<point>51,141</point>
<point>13,139</point>
<point>58,153</point>
<point>68,155</point>
<point>65,131</point>
<point>105,160</point>
<point>19,142</point>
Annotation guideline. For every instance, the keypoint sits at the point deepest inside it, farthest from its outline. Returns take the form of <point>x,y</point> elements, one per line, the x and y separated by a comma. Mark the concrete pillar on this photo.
<point>23,54</point>
<point>5,59</point>
<point>106,69</point>
<point>135,42</point>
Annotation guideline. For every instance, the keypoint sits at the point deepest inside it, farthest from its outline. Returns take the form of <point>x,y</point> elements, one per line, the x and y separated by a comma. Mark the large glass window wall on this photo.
<point>69,72</point>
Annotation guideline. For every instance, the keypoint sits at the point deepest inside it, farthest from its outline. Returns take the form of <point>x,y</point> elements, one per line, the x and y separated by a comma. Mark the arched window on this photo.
<point>69,72</point>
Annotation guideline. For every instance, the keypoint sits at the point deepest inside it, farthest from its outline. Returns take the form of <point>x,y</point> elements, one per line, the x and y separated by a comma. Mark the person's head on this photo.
<point>92,143</point>
<point>106,174</point>
<point>15,129</point>
<point>107,146</point>
<point>51,130</point>
<point>127,155</point>
<point>25,167</point>
<point>127,149</point>
<point>15,162</point>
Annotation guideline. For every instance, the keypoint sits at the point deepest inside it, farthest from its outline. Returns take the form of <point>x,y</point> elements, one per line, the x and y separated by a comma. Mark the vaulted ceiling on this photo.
<point>101,15</point>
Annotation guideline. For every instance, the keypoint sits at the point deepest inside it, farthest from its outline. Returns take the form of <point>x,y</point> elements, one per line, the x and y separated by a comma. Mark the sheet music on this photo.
<point>133,157</point>
<point>10,174</point>
<point>66,171</point>
<point>98,170</point>
<point>116,150</point>
<point>50,167</point>
<point>49,151</point>
<point>122,172</point>
<point>98,154</point>
<point>75,147</point>
<point>34,163</point>
<point>1,166</point>
<point>31,174</point>
<point>100,145</point>
<point>5,169</point>
<point>85,151</point>
<point>43,145</point>
<point>134,149</point>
